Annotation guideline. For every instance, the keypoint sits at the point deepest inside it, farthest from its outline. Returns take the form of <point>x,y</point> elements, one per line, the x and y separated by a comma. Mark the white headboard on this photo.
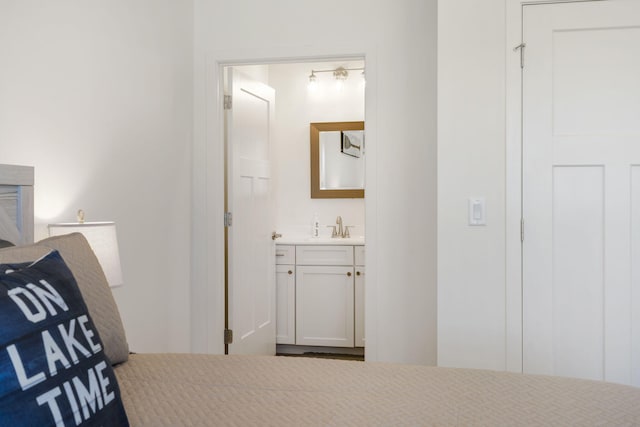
<point>16,204</point>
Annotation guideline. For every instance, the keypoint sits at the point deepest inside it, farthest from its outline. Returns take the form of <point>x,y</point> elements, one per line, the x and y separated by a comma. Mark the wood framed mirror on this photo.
<point>337,160</point>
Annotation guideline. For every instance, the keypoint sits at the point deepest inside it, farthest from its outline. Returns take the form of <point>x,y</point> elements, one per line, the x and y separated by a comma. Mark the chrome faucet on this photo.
<point>339,222</point>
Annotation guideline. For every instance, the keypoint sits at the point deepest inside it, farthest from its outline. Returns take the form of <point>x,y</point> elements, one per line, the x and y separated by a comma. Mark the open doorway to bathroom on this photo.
<point>315,301</point>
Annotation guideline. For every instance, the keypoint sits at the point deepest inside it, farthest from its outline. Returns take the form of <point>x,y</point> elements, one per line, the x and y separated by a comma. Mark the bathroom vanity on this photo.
<point>320,292</point>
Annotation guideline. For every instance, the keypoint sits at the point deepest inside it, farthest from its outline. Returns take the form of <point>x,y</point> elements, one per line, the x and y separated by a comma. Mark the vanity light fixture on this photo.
<point>340,74</point>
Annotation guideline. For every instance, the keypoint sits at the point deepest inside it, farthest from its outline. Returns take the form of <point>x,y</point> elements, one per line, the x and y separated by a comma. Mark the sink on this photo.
<point>339,240</point>
<point>323,240</point>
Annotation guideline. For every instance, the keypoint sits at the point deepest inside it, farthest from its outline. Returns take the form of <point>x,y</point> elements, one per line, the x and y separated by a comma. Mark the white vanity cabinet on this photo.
<point>326,297</point>
<point>285,295</point>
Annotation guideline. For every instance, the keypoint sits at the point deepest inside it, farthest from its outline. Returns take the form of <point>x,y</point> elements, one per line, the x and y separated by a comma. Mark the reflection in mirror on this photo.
<point>341,160</point>
<point>352,142</point>
<point>337,160</point>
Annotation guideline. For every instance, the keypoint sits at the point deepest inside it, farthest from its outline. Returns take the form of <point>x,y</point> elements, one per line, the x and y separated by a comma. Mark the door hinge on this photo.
<point>522,230</point>
<point>228,336</point>
<point>228,219</point>
<point>521,47</point>
<point>228,102</point>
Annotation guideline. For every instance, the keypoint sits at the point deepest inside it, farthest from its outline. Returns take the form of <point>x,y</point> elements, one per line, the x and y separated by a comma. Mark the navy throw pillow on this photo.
<point>53,370</point>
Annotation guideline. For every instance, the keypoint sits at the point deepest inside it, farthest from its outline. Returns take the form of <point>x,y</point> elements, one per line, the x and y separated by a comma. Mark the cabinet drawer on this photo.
<point>324,255</point>
<point>285,254</point>
<point>359,254</point>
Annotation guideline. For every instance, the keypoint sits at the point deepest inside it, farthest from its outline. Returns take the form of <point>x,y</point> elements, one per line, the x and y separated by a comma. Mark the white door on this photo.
<point>581,190</point>
<point>251,251</point>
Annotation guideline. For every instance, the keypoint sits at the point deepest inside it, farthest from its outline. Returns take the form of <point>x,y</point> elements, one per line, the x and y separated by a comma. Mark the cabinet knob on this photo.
<point>290,272</point>
<point>349,273</point>
<point>357,273</point>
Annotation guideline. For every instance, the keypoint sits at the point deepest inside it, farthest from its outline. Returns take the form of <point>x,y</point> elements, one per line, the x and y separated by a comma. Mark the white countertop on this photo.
<point>308,240</point>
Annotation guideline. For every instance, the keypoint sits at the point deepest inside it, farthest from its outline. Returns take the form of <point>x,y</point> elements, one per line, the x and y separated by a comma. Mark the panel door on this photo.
<point>581,190</point>
<point>251,251</point>
<point>324,306</point>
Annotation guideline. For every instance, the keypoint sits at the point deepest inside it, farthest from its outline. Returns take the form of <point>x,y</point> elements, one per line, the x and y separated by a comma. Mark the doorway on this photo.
<point>298,102</point>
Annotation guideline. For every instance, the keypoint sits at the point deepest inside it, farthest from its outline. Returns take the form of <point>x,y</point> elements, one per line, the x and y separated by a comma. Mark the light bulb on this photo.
<point>312,77</point>
<point>313,81</point>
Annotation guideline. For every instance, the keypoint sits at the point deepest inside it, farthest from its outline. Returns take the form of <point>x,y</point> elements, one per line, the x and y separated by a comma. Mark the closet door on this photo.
<point>581,190</point>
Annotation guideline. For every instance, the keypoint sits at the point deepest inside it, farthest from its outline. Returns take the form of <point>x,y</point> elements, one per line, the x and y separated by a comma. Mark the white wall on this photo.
<point>398,41</point>
<point>98,97</point>
<point>471,162</point>
<point>110,85</point>
<point>296,107</point>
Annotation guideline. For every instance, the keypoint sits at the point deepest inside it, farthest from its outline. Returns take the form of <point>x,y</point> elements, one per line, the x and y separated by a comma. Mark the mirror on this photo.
<point>337,160</point>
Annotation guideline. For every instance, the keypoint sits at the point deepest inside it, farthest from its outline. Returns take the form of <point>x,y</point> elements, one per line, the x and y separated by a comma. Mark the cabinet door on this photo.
<point>324,306</point>
<point>285,304</point>
<point>359,307</point>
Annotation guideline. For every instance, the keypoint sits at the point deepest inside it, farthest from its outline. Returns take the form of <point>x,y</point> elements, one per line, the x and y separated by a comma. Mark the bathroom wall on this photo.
<point>297,105</point>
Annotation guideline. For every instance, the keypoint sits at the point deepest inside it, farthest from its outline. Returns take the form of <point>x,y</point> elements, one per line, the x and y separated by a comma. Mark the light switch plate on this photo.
<point>477,211</point>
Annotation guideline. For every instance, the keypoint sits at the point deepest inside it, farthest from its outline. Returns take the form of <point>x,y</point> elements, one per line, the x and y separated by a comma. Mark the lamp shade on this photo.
<point>103,240</point>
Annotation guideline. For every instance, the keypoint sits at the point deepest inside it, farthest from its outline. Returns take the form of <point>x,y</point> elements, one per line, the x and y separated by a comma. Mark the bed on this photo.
<point>203,390</point>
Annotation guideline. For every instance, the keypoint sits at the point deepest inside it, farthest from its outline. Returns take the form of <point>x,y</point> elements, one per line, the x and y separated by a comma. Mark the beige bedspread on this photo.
<point>199,390</point>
